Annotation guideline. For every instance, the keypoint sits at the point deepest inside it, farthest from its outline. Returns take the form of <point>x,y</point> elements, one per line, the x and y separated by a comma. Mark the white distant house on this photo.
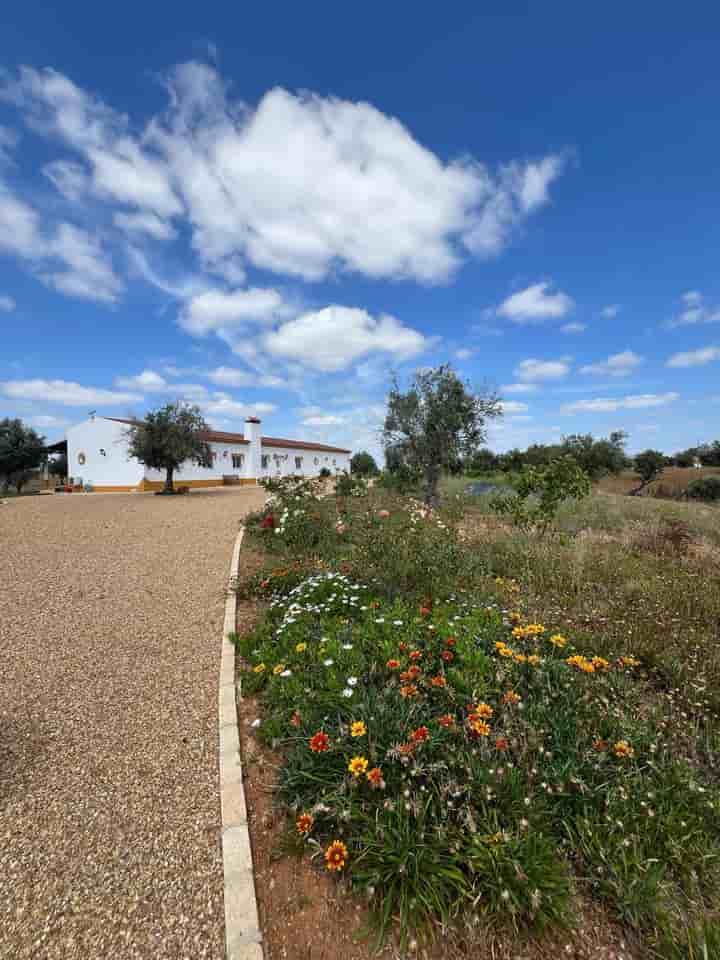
<point>97,454</point>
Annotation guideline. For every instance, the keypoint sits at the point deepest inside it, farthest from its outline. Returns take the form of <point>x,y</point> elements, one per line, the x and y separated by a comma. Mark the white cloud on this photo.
<point>512,407</point>
<point>694,358</point>
<point>47,421</point>
<point>518,388</point>
<point>147,223</point>
<point>531,370</point>
<point>323,420</point>
<point>220,311</point>
<point>464,353</point>
<point>7,304</point>
<point>8,140</point>
<point>694,311</point>
<point>610,311</point>
<point>334,337</point>
<point>65,392</point>
<point>616,365</point>
<point>573,328</point>
<point>535,304</point>
<point>222,405</point>
<point>299,184</point>
<point>232,377</point>
<point>607,405</point>
<point>149,381</point>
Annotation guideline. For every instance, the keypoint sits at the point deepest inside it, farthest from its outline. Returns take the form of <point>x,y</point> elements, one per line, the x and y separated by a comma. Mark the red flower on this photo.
<point>448,656</point>
<point>319,742</point>
<point>296,719</point>
<point>402,646</point>
<point>450,642</point>
<point>408,690</point>
<point>375,778</point>
<point>267,522</point>
<point>406,749</point>
<point>439,681</point>
<point>412,674</point>
<point>420,735</point>
<point>415,655</point>
<point>425,611</point>
<point>392,664</point>
<point>446,720</point>
<point>501,744</point>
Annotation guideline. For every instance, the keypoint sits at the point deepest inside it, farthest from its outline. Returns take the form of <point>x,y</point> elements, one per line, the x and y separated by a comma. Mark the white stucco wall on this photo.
<point>102,442</point>
<point>222,465</point>
<point>281,461</point>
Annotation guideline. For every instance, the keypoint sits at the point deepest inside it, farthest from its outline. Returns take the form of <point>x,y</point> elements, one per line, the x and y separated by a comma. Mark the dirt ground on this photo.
<point>111,611</point>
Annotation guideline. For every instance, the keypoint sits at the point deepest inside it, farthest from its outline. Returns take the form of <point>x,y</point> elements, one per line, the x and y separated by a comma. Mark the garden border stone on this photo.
<point>243,939</point>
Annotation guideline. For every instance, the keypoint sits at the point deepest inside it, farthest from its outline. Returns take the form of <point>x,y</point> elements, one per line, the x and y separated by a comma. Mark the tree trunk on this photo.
<point>432,476</point>
<point>168,488</point>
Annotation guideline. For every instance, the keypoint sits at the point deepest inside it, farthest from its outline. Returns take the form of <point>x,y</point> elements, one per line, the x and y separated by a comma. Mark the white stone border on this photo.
<point>242,929</point>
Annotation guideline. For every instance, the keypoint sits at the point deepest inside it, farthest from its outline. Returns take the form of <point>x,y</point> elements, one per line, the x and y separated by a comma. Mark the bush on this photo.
<point>402,479</point>
<point>350,485</point>
<point>325,472</point>
<point>540,491</point>
<point>294,520</point>
<point>705,488</point>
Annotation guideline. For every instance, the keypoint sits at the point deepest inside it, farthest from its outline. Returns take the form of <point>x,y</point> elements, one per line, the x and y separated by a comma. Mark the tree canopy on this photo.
<point>22,449</point>
<point>363,464</point>
<point>649,465</point>
<point>169,436</point>
<point>436,422</point>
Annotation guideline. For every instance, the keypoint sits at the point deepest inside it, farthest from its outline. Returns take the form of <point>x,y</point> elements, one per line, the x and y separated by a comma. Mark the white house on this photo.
<point>97,452</point>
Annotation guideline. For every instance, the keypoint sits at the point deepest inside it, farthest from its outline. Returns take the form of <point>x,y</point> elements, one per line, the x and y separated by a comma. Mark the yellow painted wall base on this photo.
<point>119,489</point>
<point>147,485</point>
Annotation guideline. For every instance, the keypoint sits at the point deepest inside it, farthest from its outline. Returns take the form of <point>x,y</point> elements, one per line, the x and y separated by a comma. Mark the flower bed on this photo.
<point>461,767</point>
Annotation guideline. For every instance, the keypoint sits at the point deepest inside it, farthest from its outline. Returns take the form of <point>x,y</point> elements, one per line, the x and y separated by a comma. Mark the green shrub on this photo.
<point>540,491</point>
<point>705,488</point>
<point>350,485</point>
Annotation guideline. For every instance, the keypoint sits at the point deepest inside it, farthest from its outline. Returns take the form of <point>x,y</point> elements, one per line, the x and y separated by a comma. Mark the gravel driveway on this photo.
<point>111,611</point>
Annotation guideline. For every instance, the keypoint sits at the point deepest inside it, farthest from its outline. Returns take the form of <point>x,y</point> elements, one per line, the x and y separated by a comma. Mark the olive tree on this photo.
<point>21,450</point>
<point>167,437</point>
<point>363,464</point>
<point>436,422</point>
<point>649,465</point>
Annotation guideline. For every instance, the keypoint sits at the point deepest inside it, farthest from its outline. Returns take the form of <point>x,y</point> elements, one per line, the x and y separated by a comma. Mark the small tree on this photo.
<point>649,465</point>
<point>436,422</point>
<point>168,437</point>
<point>363,464</point>
<point>540,491</point>
<point>21,450</point>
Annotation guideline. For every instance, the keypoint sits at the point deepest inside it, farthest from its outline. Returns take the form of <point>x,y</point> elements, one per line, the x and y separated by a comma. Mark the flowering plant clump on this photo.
<point>460,762</point>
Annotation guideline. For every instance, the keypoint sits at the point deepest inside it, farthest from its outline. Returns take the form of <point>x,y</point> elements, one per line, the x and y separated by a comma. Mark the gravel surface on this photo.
<point>111,610</point>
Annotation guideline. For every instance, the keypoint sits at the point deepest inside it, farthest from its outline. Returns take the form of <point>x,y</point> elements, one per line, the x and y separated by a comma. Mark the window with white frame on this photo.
<point>265,460</point>
<point>238,459</point>
<point>298,463</point>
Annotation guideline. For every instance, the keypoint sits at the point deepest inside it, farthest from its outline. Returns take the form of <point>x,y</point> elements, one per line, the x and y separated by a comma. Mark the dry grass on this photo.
<point>673,481</point>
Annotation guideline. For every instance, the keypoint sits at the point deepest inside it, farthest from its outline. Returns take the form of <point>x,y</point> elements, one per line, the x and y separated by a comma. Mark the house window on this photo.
<point>317,460</point>
<point>334,461</point>
<point>238,459</point>
<point>298,463</point>
<point>265,459</point>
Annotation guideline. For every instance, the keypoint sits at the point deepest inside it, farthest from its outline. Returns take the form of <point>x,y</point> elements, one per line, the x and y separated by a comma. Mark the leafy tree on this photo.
<point>649,465</point>
<point>167,437</point>
<point>21,451</point>
<point>540,491</point>
<point>437,421</point>
<point>482,462</point>
<point>363,463</point>
<point>597,457</point>
<point>58,466</point>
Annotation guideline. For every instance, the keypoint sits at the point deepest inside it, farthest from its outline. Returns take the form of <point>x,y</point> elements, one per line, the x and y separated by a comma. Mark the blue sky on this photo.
<point>268,210</point>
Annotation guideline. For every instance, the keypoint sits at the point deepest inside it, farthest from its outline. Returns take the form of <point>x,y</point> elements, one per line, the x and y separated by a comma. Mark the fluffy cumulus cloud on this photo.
<point>48,421</point>
<point>694,358</point>
<point>217,310</point>
<point>518,388</point>
<point>535,304</point>
<point>532,370</point>
<point>222,405</point>
<point>331,339</point>
<point>607,405</point>
<point>297,184</point>
<point>66,393</point>
<point>694,310</point>
<point>232,377</point>
<point>617,365</point>
<point>7,304</point>
<point>513,407</point>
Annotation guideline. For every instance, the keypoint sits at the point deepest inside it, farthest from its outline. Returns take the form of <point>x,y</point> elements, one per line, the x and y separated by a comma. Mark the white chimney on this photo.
<point>254,451</point>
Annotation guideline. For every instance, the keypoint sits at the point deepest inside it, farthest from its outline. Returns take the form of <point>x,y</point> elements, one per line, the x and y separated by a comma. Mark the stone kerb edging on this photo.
<point>242,929</point>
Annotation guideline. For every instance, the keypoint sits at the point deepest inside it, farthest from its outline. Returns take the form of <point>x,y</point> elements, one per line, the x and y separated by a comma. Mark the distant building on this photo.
<point>697,463</point>
<point>97,453</point>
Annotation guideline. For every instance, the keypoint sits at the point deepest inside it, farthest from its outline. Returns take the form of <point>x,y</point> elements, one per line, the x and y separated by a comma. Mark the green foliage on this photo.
<point>705,488</point>
<point>168,437</point>
<point>350,485</point>
<point>363,463</point>
<point>325,472</point>
<point>21,450</point>
<point>435,423</point>
<point>649,466</point>
<point>540,491</point>
<point>597,457</point>
<point>402,479</point>
<point>58,466</point>
<point>294,520</point>
<point>482,461</point>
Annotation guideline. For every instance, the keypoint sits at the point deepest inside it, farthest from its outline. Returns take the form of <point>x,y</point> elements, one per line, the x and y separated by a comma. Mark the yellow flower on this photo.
<point>336,855</point>
<point>629,662</point>
<point>277,670</point>
<point>260,668</point>
<point>581,663</point>
<point>358,729</point>
<point>534,659</point>
<point>483,710</point>
<point>600,663</point>
<point>301,648</point>
<point>358,766</point>
<point>520,658</point>
<point>623,750</point>
<point>557,640</point>
<point>479,727</point>
<point>503,649</point>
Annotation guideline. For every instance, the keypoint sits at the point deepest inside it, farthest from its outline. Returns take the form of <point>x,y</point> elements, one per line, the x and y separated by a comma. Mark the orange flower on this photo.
<point>439,681</point>
<point>392,664</point>
<point>408,690</point>
<point>450,642</point>
<point>601,746</point>
<point>415,655</point>
<point>446,720</point>
<point>319,742</point>
<point>483,710</point>
<point>358,766</point>
<point>375,778</point>
<point>420,735</point>
<point>448,656</point>
<point>412,674</point>
<point>402,646</point>
<point>511,698</point>
<point>358,729</point>
<point>501,744</point>
<point>479,727</point>
<point>425,611</point>
<point>296,719</point>
<point>406,749</point>
<point>515,617</point>
<point>534,659</point>
<point>336,855</point>
<point>623,750</point>
<point>304,823</point>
